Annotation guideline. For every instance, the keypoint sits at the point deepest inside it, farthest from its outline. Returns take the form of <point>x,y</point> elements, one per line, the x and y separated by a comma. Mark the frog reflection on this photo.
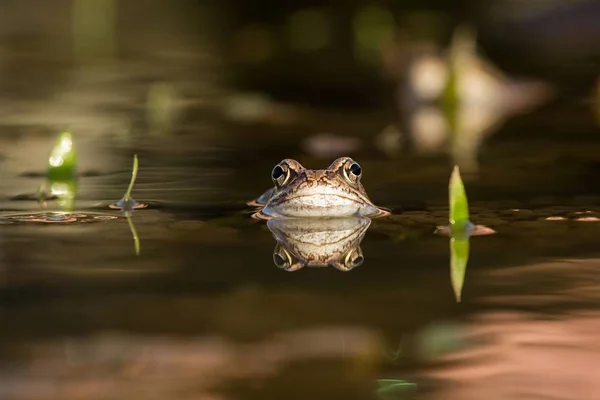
<point>318,243</point>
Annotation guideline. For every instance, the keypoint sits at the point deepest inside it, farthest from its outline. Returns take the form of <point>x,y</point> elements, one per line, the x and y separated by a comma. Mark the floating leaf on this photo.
<point>459,206</point>
<point>62,163</point>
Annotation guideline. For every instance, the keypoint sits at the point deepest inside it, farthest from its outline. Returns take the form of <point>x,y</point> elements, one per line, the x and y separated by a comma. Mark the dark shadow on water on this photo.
<point>83,174</point>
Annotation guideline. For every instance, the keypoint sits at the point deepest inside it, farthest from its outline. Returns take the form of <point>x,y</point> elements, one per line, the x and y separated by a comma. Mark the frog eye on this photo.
<point>355,169</point>
<point>280,174</point>
<point>352,171</point>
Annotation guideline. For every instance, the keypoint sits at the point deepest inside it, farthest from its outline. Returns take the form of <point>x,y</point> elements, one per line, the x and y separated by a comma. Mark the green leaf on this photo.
<point>133,178</point>
<point>460,230</point>
<point>459,206</point>
<point>62,163</point>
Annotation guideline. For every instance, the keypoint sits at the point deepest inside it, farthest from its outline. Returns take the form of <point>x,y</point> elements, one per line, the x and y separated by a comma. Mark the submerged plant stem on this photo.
<point>133,177</point>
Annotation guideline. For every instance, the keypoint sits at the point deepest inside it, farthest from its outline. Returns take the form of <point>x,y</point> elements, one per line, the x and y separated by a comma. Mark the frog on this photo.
<point>298,192</point>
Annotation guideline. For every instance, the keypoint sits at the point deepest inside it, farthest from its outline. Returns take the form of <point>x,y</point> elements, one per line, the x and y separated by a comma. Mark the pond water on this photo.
<point>204,312</point>
<point>191,298</point>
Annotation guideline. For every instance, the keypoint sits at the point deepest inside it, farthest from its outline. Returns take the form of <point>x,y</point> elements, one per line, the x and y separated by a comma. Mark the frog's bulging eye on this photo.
<point>355,169</point>
<point>352,171</point>
<point>280,174</point>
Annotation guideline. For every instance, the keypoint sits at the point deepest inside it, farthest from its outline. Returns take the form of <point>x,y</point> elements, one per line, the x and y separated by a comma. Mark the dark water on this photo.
<point>203,312</point>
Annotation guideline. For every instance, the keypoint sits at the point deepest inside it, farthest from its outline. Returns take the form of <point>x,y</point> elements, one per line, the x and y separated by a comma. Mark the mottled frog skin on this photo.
<point>335,192</point>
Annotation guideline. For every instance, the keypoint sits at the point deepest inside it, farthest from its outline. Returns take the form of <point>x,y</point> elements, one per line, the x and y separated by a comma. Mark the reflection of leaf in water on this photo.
<point>395,389</point>
<point>61,191</point>
<point>65,194</point>
<point>459,256</point>
<point>393,355</point>
<point>136,239</point>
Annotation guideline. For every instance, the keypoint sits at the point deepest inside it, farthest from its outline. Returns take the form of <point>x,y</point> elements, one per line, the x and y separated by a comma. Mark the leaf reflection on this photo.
<point>395,389</point>
<point>136,239</point>
<point>454,99</point>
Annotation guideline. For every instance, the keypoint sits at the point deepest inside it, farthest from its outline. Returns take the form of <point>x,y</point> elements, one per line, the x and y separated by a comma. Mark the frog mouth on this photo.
<point>351,199</point>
